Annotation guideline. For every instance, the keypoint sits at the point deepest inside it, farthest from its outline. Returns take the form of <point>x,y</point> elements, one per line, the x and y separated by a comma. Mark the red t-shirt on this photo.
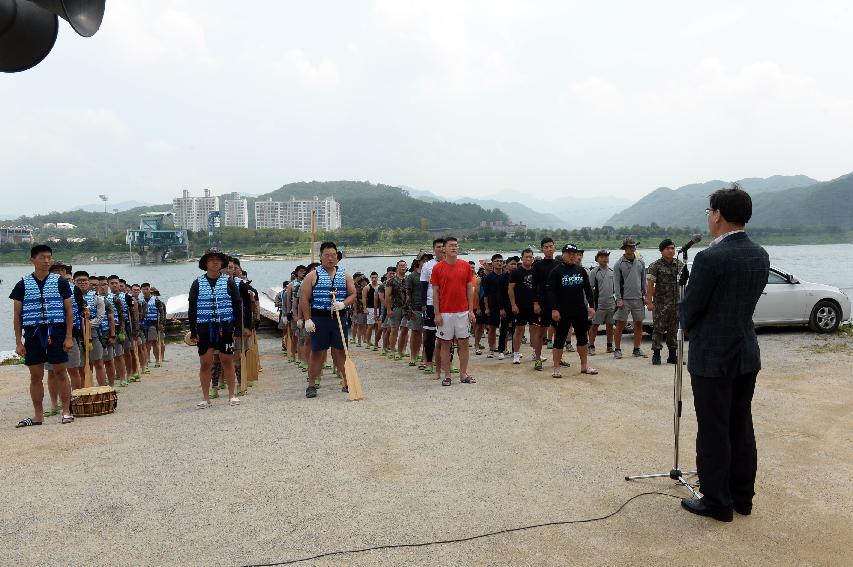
<point>452,280</point>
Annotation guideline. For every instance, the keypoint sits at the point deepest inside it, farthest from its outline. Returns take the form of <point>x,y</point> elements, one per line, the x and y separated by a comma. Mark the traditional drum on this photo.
<point>88,402</point>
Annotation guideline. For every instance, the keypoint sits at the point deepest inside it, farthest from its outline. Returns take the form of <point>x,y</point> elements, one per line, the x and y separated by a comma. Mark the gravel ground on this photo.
<point>282,477</point>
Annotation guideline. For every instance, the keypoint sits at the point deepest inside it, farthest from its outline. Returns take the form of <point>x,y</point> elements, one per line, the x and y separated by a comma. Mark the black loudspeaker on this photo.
<point>28,28</point>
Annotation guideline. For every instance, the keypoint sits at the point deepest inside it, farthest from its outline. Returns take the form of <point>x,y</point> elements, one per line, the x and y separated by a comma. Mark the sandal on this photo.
<point>556,374</point>
<point>447,381</point>
<point>50,412</point>
<point>235,401</point>
<point>27,422</point>
<point>468,380</point>
<point>589,370</point>
<point>204,404</point>
<point>310,392</point>
<point>67,419</point>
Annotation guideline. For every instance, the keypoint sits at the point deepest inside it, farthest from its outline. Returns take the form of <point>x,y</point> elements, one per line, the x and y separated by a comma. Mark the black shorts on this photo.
<point>44,344</point>
<point>219,337</point>
<point>579,322</point>
<point>429,318</point>
<point>480,316</point>
<point>525,316</point>
<point>544,317</point>
<point>494,317</point>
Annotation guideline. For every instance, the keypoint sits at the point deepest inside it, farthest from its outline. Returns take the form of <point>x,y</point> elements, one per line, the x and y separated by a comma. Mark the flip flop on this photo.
<point>447,381</point>
<point>50,412</point>
<point>27,423</point>
<point>204,404</point>
<point>468,380</point>
<point>556,374</point>
<point>67,419</point>
<point>589,370</point>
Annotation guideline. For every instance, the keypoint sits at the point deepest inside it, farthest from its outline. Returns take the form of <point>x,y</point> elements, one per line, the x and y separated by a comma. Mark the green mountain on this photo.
<point>519,213</point>
<point>827,204</point>
<point>365,205</point>
<point>685,206</point>
<point>90,224</point>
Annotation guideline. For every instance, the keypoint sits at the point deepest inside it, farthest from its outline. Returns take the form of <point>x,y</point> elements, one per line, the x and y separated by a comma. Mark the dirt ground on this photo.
<point>282,477</point>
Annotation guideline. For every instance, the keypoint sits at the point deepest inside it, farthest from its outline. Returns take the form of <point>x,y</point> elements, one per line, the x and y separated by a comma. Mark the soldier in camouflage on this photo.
<point>662,300</point>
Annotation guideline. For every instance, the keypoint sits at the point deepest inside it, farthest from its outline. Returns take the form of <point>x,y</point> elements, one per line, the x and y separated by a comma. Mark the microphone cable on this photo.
<point>465,539</point>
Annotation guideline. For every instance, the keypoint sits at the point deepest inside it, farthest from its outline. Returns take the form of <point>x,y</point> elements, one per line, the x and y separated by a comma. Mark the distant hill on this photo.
<point>90,224</point>
<point>685,206</point>
<point>572,211</point>
<point>365,205</point>
<point>822,204</point>
<point>519,213</point>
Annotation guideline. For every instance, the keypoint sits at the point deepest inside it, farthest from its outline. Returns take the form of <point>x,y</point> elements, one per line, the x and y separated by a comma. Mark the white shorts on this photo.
<point>371,318</point>
<point>454,326</point>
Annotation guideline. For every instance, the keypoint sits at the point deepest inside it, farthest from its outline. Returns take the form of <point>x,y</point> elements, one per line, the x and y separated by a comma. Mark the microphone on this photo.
<point>696,238</point>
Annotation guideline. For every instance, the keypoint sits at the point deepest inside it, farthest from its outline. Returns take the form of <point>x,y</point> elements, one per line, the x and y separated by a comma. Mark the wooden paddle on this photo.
<point>350,373</point>
<point>87,346</point>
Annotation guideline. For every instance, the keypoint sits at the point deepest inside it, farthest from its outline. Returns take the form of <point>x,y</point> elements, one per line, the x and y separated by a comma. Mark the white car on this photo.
<point>788,301</point>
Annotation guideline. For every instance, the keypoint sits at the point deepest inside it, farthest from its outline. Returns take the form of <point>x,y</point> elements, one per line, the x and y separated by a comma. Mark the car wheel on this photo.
<point>825,317</point>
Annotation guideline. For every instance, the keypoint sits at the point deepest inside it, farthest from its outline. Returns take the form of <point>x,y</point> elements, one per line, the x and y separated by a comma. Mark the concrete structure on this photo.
<point>16,235</point>
<point>296,213</point>
<point>235,210</point>
<point>155,240</point>
<point>191,212</point>
<point>60,225</point>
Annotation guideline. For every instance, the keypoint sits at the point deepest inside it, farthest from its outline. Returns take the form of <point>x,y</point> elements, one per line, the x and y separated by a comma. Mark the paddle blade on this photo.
<point>353,382</point>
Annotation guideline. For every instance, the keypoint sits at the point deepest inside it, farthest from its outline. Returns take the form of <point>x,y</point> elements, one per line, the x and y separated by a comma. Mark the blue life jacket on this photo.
<point>105,324</point>
<point>214,304</point>
<point>90,303</point>
<point>151,313</point>
<point>42,306</point>
<point>321,298</point>
<point>75,311</point>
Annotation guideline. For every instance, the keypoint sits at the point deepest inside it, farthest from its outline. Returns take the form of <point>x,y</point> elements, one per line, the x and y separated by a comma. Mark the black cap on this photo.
<point>664,243</point>
<point>571,248</point>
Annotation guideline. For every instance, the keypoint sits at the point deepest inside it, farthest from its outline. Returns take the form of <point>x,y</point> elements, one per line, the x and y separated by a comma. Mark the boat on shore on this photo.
<point>178,306</point>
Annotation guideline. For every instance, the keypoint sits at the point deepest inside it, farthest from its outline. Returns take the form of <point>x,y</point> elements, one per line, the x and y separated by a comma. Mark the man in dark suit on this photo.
<point>726,282</point>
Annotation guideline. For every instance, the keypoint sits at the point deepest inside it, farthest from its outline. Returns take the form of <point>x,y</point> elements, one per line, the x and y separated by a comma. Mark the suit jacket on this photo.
<point>717,307</point>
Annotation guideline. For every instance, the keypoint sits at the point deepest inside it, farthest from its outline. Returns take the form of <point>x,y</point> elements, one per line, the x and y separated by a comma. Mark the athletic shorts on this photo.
<point>604,315</point>
<point>97,352</point>
<point>75,355</point>
<point>118,350</point>
<point>634,308</point>
<point>544,317</point>
<point>370,317</point>
<point>127,345</point>
<point>327,334</point>
<point>416,321</point>
<point>394,317</point>
<point>579,322</point>
<point>360,319</point>
<point>237,341</point>
<point>454,326</point>
<point>494,317</point>
<point>151,333</point>
<point>218,337</point>
<point>480,316</point>
<point>40,350</point>
<point>525,316</point>
<point>108,354</point>
<point>429,318</point>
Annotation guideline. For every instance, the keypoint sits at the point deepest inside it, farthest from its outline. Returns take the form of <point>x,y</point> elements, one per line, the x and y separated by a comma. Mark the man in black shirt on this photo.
<point>520,292</point>
<point>492,303</point>
<point>506,327</point>
<point>568,286</point>
<point>541,303</point>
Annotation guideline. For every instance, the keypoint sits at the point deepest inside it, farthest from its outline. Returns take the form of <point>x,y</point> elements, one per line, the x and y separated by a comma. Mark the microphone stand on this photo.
<point>675,472</point>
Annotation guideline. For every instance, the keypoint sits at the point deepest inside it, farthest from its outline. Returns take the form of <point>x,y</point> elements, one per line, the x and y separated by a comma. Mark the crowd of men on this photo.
<point>430,312</point>
<point>84,329</point>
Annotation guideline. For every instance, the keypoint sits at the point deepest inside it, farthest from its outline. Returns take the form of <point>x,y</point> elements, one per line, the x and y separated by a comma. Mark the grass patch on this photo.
<point>829,346</point>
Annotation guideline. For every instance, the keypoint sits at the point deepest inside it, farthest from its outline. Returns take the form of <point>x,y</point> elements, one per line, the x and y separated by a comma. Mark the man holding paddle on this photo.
<point>318,309</point>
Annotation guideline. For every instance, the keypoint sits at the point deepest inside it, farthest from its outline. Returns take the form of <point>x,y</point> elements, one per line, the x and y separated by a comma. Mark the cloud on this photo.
<point>148,34</point>
<point>297,65</point>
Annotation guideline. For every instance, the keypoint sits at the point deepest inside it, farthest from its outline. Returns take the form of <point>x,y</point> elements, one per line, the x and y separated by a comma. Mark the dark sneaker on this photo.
<point>617,353</point>
<point>609,348</point>
<point>310,392</point>
<point>537,365</point>
<point>592,350</point>
<point>656,357</point>
<point>638,353</point>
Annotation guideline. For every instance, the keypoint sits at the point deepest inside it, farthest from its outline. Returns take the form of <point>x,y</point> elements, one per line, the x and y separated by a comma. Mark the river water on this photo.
<point>830,264</point>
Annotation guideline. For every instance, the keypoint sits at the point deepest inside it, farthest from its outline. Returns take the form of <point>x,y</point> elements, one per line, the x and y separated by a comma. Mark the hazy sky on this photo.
<point>457,97</point>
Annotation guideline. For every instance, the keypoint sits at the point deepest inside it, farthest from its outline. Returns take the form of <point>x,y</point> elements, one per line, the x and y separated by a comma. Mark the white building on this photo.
<point>60,225</point>
<point>235,210</point>
<point>191,212</point>
<point>296,213</point>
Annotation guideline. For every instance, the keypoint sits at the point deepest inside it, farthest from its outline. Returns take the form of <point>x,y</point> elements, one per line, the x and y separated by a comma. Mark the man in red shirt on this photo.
<point>453,299</point>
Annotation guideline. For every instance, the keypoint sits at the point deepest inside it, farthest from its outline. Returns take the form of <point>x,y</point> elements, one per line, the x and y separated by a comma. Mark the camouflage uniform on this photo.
<point>665,315</point>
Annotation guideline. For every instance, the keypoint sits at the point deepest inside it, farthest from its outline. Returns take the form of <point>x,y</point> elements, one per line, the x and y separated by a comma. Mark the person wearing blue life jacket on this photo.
<point>120,358</point>
<point>318,310</point>
<point>149,321</point>
<point>215,312</point>
<point>107,330</point>
<point>43,322</point>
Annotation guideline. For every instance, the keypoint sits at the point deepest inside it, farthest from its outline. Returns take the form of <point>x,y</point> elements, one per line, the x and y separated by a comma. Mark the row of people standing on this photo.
<point>83,329</point>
